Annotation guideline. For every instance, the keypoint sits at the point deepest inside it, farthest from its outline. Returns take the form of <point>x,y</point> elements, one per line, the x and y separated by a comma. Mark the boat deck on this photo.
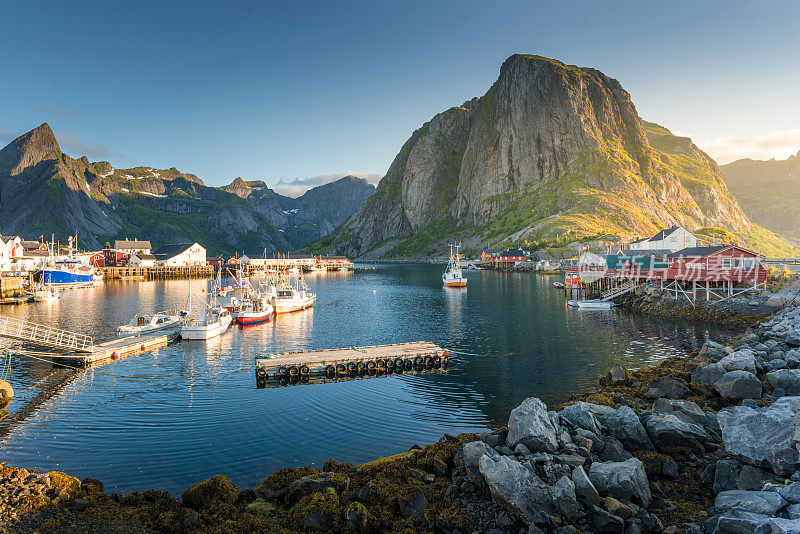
<point>340,362</point>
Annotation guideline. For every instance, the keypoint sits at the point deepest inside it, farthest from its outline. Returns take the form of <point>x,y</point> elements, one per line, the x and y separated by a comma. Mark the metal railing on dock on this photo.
<point>45,335</point>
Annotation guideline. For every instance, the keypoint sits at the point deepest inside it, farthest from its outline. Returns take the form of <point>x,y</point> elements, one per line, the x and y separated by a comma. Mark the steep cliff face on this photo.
<point>549,149</point>
<point>44,191</point>
<point>769,192</point>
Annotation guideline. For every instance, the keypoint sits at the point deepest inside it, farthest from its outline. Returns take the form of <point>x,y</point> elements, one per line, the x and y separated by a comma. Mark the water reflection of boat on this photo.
<point>559,285</point>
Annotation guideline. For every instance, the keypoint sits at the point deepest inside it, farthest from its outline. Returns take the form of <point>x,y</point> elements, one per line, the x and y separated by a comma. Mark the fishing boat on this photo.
<point>211,321</point>
<point>291,298</point>
<point>293,270</point>
<point>258,308</point>
<point>144,323</point>
<point>559,285</point>
<point>45,294</point>
<point>453,277</point>
<point>317,268</point>
<point>591,304</point>
<point>67,272</point>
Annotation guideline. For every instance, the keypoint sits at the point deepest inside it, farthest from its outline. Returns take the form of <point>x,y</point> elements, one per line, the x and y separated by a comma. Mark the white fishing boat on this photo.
<point>317,268</point>
<point>144,323</point>
<point>293,270</point>
<point>591,304</point>
<point>453,277</point>
<point>45,294</point>
<point>290,298</point>
<point>211,321</point>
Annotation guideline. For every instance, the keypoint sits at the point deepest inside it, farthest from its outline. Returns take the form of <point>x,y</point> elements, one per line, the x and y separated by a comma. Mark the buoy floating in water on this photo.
<point>6,394</point>
<point>115,355</point>
<point>373,291</point>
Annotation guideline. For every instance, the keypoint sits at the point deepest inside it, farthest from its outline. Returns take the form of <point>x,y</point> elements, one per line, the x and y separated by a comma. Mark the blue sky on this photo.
<point>292,90</point>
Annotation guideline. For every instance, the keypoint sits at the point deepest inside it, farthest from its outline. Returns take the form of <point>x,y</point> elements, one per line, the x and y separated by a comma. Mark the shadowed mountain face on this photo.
<point>44,191</point>
<point>550,149</point>
<point>769,192</point>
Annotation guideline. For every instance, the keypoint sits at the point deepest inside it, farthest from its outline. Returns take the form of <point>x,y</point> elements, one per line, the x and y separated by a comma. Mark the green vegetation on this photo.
<point>421,241</point>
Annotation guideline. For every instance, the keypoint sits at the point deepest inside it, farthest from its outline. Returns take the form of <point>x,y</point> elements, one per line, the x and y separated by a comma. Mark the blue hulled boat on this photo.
<point>65,273</point>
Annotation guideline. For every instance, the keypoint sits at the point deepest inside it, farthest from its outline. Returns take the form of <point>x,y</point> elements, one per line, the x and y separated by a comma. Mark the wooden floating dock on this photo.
<point>341,362</point>
<point>120,348</point>
<point>304,380</point>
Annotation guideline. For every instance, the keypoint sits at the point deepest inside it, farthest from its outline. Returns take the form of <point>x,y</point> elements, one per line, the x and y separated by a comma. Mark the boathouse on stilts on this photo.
<point>695,273</point>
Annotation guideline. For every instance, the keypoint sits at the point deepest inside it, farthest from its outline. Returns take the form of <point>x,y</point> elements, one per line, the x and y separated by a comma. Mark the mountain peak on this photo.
<point>29,149</point>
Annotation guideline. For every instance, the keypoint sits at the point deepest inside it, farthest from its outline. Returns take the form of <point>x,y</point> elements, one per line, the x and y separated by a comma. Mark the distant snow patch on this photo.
<point>124,189</point>
<point>291,211</point>
<point>152,194</point>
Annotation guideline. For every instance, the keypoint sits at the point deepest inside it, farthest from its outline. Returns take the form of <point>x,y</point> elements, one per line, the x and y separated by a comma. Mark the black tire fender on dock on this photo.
<point>261,372</point>
<point>419,361</point>
<point>294,370</point>
<point>283,370</point>
<point>330,371</point>
<point>408,364</point>
<point>399,363</point>
<point>371,365</point>
<point>304,370</point>
<point>351,366</point>
<point>341,369</point>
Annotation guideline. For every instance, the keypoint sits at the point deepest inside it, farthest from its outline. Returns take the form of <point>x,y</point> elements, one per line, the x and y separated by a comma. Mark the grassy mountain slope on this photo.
<point>551,150</point>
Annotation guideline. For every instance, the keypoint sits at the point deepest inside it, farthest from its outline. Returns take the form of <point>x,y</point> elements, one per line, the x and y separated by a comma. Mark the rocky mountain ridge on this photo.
<point>44,191</point>
<point>768,191</point>
<point>550,150</point>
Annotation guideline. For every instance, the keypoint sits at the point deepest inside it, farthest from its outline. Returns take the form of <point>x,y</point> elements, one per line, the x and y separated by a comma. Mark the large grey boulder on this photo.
<point>670,387</point>
<point>760,502</point>
<point>707,373</point>
<point>668,430</point>
<point>584,489</point>
<point>791,492</point>
<point>738,385</point>
<point>788,379</point>
<point>741,360</point>
<point>784,526</point>
<point>687,411</point>
<point>765,437</point>
<point>531,425</point>
<point>622,480</point>
<point>515,487</point>
<point>625,425</point>
<point>585,415</point>
<point>736,521</point>
<point>564,499</point>
<point>468,457</point>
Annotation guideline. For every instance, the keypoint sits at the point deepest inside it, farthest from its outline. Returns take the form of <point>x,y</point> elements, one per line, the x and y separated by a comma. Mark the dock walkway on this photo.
<point>339,362</point>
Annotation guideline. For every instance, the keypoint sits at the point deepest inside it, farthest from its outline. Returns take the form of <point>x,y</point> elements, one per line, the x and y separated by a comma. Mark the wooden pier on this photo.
<point>163,272</point>
<point>341,362</point>
<point>117,349</point>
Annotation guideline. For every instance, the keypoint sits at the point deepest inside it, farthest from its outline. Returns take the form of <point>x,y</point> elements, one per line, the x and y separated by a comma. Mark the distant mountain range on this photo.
<point>44,191</point>
<point>551,151</point>
<point>768,191</point>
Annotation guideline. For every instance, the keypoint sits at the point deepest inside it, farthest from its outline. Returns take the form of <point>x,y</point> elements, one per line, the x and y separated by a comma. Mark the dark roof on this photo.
<point>170,251</point>
<point>697,252</point>
<point>145,256</point>
<point>663,233</point>
<point>513,252</point>
<point>642,240</point>
<point>658,252</point>
<point>333,257</point>
<point>132,244</point>
<point>31,244</point>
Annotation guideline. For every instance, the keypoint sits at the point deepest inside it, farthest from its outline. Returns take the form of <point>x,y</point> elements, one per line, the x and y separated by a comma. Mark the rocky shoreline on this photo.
<point>707,444</point>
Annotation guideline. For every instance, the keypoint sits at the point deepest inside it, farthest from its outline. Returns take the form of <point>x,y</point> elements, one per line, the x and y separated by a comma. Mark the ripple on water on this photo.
<point>195,410</point>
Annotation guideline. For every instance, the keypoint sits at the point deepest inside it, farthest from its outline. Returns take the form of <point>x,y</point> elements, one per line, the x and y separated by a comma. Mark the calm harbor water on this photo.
<point>190,410</point>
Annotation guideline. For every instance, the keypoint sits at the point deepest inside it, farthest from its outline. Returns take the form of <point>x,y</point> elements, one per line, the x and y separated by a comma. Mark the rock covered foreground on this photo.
<point>708,445</point>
